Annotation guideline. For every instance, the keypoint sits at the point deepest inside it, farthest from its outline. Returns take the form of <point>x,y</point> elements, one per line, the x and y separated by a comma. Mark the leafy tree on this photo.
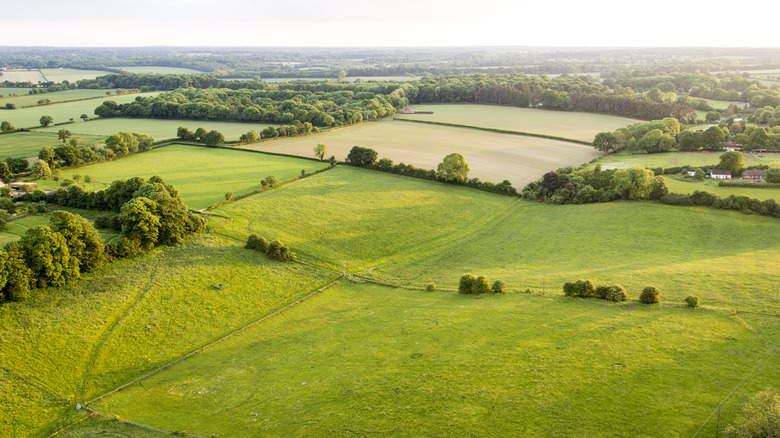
<point>46,120</point>
<point>713,138</point>
<point>84,117</point>
<point>454,168</point>
<point>499,286</point>
<point>481,286</point>
<point>83,241</point>
<point>605,142</point>
<point>144,141</point>
<point>270,181</point>
<point>185,134</point>
<point>361,156</point>
<point>47,255</point>
<point>122,143</point>
<point>16,278</point>
<point>200,134</point>
<point>690,141</point>
<point>214,138</point>
<point>616,293</point>
<point>5,172</point>
<point>712,116</point>
<point>41,170</point>
<point>10,106</point>
<point>466,284</point>
<point>47,154</point>
<point>692,301</point>
<point>17,165</point>
<point>64,135</point>
<point>108,108</point>
<point>320,150</point>
<point>634,183</point>
<point>277,251</point>
<point>760,417</point>
<point>650,295</point>
<point>733,161</point>
<point>140,223</point>
<point>772,175</point>
<point>6,127</point>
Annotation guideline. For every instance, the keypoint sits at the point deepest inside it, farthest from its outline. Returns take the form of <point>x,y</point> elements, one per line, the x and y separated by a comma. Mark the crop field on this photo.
<point>674,159</point>
<point>33,76</point>
<point>28,144</point>
<point>566,124</point>
<point>414,232</point>
<point>158,128</point>
<point>708,185</point>
<point>62,112</point>
<point>440,366</point>
<point>58,96</point>
<point>117,325</point>
<point>70,74</point>
<point>184,167</point>
<point>159,70</point>
<point>491,156</point>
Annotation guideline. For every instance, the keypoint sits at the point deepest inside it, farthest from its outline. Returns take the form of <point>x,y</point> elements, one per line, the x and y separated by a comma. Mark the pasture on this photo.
<point>28,144</point>
<point>159,128</point>
<point>708,185</point>
<point>89,337</point>
<point>156,69</point>
<point>369,360</point>
<point>8,91</point>
<point>55,97</point>
<point>673,159</point>
<point>566,124</point>
<point>62,112</point>
<point>202,175</point>
<point>33,76</point>
<point>70,74</point>
<point>414,232</point>
<point>491,156</point>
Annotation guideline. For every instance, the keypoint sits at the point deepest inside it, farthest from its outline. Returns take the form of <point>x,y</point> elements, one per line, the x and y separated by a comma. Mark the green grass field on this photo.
<point>492,157</point>
<point>71,74</point>
<point>674,159</point>
<point>159,70</point>
<point>201,175</point>
<point>708,185</point>
<point>62,112</point>
<point>160,129</point>
<point>362,360</point>
<point>566,124</point>
<point>55,97</point>
<point>7,91</point>
<point>33,76</point>
<point>28,144</point>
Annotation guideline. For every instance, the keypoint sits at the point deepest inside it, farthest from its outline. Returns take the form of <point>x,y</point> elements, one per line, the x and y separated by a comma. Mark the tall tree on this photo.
<point>320,150</point>
<point>46,120</point>
<point>454,168</point>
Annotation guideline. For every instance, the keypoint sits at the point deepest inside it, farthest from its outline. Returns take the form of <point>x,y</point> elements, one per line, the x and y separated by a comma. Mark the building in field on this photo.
<point>20,187</point>
<point>754,174</point>
<point>731,146</point>
<point>409,110</point>
<point>720,174</point>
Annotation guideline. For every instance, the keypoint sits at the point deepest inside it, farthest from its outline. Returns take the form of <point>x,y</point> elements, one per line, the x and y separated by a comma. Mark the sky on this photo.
<point>403,23</point>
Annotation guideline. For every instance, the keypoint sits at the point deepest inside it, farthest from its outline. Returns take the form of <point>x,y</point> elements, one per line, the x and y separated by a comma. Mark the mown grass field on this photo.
<point>7,91</point>
<point>156,69</point>
<point>62,112</point>
<point>160,129</point>
<point>70,74</point>
<point>134,316</point>
<point>674,159</point>
<point>415,232</point>
<point>492,157</point>
<point>33,76</point>
<point>28,144</point>
<point>566,124</point>
<point>59,96</point>
<point>201,175</point>
<point>708,185</point>
<point>373,361</point>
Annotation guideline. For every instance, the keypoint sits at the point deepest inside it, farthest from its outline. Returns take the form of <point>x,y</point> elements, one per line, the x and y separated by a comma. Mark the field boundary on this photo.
<point>223,338</point>
<point>133,423</point>
<point>497,130</point>
<point>33,384</point>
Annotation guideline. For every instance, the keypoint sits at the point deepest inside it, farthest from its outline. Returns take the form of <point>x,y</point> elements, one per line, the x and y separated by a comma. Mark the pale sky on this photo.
<point>354,23</point>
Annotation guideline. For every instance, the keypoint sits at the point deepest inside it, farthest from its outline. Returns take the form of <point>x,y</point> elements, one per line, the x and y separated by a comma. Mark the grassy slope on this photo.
<point>360,216</point>
<point>681,186</point>
<point>183,166</point>
<point>136,315</point>
<point>575,125</point>
<point>160,129</point>
<point>61,112</point>
<point>59,96</point>
<point>492,157</point>
<point>440,366</point>
<point>28,144</point>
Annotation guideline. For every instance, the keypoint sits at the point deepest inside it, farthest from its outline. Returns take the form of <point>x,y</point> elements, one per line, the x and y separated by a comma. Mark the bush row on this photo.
<point>587,289</point>
<point>274,250</point>
<point>741,203</point>
<point>470,284</point>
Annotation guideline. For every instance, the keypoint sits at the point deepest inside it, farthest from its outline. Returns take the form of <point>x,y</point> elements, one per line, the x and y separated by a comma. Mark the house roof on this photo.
<point>754,173</point>
<point>720,172</point>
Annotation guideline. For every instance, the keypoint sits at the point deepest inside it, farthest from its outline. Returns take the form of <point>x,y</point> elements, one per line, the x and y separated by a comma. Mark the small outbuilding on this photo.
<point>720,174</point>
<point>754,174</point>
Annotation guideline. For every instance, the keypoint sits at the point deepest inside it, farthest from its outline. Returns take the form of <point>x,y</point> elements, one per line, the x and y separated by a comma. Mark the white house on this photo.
<point>720,174</point>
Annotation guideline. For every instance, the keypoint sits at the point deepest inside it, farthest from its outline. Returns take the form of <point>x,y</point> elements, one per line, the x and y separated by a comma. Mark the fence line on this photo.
<point>31,383</point>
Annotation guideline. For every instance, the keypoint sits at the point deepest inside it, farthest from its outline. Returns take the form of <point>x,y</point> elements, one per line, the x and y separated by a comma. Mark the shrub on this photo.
<point>692,301</point>
<point>760,417</point>
<point>431,287</point>
<point>466,283</point>
<point>481,286</point>
<point>650,295</point>
<point>602,291</point>
<point>616,293</point>
<point>499,286</point>
<point>580,288</point>
<point>569,289</point>
<point>277,251</point>
<point>228,196</point>
<point>251,241</point>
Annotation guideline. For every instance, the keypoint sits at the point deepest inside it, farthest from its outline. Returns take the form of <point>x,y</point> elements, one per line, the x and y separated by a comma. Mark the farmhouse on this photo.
<point>731,146</point>
<point>754,174</point>
<point>720,174</point>
<point>19,187</point>
<point>409,110</point>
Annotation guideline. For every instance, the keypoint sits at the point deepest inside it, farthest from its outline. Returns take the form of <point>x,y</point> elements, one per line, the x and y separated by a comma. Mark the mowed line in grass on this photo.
<point>491,156</point>
<point>202,175</point>
<point>567,124</point>
<point>438,365</point>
